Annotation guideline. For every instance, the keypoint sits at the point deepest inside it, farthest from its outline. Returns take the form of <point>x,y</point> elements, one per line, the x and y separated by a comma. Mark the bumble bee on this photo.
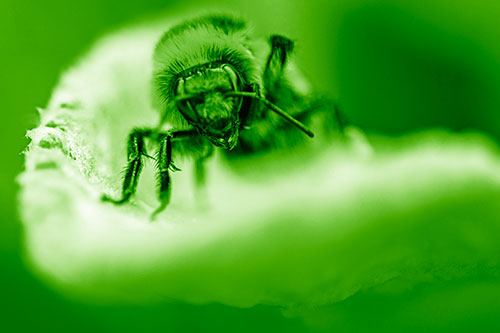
<point>215,86</point>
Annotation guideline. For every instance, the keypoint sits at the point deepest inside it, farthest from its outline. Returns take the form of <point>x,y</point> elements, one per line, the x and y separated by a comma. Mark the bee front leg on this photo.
<point>135,151</point>
<point>164,163</point>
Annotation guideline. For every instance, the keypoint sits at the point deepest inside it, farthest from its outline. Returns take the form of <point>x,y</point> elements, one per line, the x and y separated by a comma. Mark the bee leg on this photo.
<point>340,118</point>
<point>200,176</point>
<point>200,167</point>
<point>335,120</point>
<point>135,150</point>
<point>280,48</point>
<point>164,161</point>
<point>165,164</point>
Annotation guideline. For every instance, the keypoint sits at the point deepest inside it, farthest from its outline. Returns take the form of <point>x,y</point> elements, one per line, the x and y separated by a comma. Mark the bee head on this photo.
<point>202,97</point>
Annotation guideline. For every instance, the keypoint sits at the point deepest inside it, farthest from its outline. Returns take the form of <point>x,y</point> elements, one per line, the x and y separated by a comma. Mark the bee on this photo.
<point>216,87</point>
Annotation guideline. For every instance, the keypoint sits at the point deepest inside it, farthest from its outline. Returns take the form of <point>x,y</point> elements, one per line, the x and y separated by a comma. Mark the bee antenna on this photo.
<point>274,108</point>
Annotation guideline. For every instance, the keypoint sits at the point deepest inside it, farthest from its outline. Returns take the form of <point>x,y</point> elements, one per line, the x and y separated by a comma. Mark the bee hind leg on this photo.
<point>281,47</point>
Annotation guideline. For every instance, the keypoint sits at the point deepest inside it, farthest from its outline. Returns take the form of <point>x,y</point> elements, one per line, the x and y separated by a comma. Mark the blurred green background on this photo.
<point>394,67</point>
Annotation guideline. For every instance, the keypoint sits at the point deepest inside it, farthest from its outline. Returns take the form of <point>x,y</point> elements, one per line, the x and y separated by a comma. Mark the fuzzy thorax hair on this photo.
<point>209,39</point>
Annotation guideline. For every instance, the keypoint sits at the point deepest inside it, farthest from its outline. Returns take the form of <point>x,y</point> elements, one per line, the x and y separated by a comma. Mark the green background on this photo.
<point>394,68</point>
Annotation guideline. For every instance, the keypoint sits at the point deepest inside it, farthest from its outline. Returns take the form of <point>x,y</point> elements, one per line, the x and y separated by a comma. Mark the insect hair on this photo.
<point>202,41</point>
